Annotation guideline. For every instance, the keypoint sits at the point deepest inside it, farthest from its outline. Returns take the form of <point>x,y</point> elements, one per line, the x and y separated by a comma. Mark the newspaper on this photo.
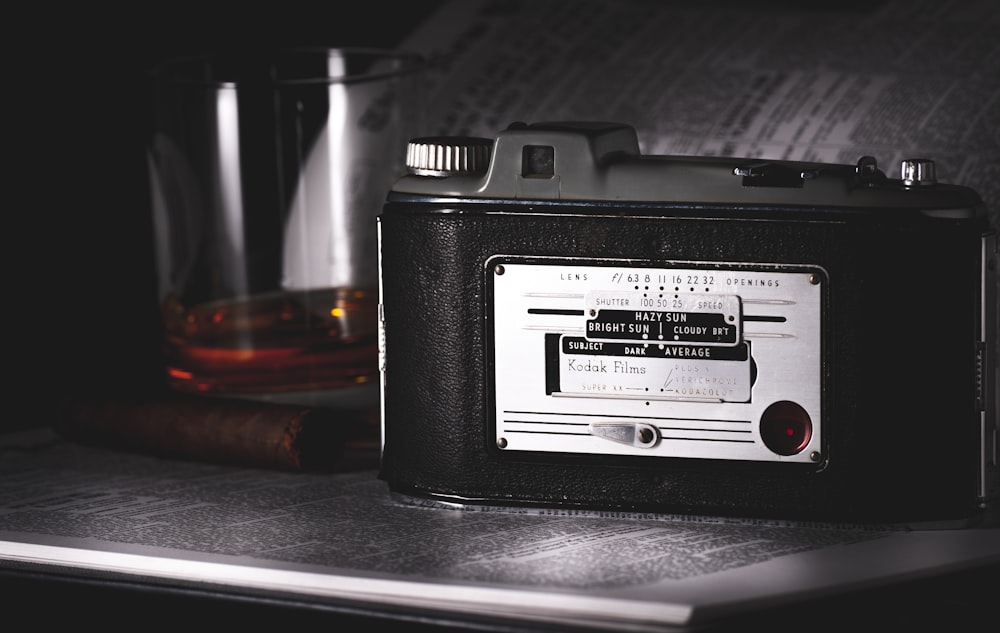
<point>777,80</point>
<point>344,536</point>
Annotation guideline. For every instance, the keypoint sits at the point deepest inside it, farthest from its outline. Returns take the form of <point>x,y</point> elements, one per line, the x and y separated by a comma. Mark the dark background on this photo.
<point>81,299</point>
<point>82,314</point>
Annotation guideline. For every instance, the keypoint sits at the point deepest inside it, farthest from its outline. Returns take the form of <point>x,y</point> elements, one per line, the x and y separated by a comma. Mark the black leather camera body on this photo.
<point>568,323</point>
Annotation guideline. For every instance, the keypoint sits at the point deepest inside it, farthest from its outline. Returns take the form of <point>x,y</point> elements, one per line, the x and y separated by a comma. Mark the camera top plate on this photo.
<point>601,162</point>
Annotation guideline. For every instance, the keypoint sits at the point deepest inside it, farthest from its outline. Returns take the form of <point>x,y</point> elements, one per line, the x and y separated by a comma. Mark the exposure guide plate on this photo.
<point>667,359</point>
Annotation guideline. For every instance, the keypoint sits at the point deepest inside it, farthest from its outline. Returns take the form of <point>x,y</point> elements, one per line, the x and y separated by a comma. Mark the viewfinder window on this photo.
<point>538,161</point>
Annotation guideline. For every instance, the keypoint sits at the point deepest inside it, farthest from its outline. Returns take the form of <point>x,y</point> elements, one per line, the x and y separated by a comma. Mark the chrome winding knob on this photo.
<point>448,156</point>
<point>917,171</point>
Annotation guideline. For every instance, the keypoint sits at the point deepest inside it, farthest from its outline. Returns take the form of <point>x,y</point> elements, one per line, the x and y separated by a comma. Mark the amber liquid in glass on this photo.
<point>276,343</point>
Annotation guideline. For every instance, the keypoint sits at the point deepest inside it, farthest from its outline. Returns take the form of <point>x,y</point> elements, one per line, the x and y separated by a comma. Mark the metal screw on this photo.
<point>645,436</point>
<point>814,456</point>
<point>502,442</point>
<point>498,269</point>
<point>814,279</point>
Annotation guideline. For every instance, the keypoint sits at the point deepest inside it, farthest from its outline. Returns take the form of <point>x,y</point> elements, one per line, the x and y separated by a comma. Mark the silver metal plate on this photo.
<point>683,359</point>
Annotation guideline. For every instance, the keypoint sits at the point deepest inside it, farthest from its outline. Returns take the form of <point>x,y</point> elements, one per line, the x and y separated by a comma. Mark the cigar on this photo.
<point>228,431</point>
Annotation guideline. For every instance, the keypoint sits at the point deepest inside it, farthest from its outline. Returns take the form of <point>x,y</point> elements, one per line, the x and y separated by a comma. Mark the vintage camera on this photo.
<point>569,323</point>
